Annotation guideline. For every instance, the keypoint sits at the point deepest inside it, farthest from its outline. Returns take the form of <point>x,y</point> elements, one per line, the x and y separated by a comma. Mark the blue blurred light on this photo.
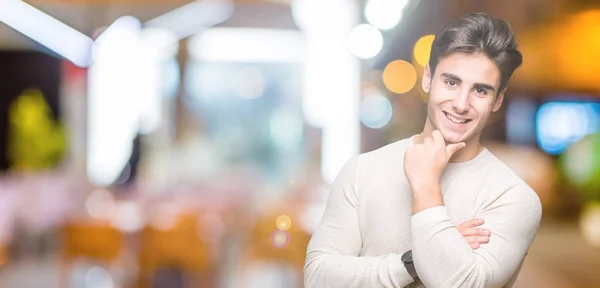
<point>375,111</point>
<point>559,124</point>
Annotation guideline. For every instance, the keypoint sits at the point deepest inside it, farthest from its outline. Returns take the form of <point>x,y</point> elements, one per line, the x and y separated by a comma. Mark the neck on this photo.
<point>470,151</point>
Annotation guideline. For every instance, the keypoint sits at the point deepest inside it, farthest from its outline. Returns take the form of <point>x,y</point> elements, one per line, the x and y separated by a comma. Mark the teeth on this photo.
<point>455,120</point>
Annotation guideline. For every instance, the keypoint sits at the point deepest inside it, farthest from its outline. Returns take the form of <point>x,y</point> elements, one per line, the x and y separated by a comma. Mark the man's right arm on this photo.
<point>332,257</point>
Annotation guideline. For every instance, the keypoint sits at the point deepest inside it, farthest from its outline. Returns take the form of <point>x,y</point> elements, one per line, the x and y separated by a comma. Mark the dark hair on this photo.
<point>479,32</point>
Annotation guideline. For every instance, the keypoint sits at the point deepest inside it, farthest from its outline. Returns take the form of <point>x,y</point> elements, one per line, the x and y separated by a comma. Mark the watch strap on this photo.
<point>410,267</point>
<point>409,264</point>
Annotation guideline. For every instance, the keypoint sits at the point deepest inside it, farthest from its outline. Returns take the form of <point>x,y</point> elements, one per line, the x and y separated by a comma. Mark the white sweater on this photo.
<point>368,225</point>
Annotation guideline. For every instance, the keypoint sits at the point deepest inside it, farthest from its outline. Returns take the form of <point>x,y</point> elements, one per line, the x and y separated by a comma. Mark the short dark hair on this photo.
<point>478,32</point>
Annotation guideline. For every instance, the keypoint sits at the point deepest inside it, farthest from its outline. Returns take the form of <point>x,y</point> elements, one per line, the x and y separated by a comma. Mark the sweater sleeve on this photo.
<point>444,259</point>
<point>332,258</point>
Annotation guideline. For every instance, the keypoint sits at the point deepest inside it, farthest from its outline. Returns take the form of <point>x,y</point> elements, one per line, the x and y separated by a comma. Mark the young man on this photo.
<point>392,215</point>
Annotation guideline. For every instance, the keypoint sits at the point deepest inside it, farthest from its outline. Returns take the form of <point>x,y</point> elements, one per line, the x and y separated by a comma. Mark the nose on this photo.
<point>461,103</point>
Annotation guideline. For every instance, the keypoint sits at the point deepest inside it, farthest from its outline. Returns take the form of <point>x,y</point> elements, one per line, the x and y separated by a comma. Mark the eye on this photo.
<point>481,91</point>
<point>451,83</point>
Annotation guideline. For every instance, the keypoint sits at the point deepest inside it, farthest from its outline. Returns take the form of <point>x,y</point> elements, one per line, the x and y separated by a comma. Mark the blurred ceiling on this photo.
<point>537,23</point>
<point>422,16</point>
<point>87,16</point>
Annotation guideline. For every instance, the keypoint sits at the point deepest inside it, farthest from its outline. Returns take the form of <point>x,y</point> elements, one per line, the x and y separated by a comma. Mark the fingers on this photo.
<point>474,236</point>
<point>437,137</point>
<point>472,223</point>
<point>474,232</point>
<point>428,140</point>
<point>476,241</point>
<point>467,228</point>
<point>483,232</point>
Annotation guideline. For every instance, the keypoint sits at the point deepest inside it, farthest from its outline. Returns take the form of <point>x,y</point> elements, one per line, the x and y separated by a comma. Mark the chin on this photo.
<point>454,137</point>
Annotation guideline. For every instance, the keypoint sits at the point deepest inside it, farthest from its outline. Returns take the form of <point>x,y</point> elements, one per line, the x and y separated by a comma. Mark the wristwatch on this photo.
<point>410,266</point>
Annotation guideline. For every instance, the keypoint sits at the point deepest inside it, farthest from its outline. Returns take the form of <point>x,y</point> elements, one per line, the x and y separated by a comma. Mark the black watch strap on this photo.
<point>411,270</point>
<point>409,265</point>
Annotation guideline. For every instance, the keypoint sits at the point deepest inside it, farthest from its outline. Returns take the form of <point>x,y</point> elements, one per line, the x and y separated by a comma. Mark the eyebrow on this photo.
<point>476,85</point>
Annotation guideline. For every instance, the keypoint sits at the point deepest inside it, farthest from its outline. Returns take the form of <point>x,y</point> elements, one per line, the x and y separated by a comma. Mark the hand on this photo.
<point>474,236</point>
<point>425,162</point>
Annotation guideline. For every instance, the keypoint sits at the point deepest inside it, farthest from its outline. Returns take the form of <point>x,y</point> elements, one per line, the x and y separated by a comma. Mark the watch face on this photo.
<point>407,257</point>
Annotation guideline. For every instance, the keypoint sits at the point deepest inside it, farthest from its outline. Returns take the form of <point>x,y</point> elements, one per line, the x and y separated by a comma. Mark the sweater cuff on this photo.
<point>429,217</point>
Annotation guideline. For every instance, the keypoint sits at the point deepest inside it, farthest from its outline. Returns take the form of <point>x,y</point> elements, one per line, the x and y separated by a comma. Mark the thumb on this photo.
<point>452,148</point>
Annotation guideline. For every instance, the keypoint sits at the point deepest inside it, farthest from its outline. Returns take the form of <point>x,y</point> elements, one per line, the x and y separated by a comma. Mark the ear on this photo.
<point>426,81</point>
<point>499,100</point>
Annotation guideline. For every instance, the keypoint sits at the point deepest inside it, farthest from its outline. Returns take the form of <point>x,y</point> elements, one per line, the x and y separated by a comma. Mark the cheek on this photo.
<point>483,108</point>
<point>439,94</point>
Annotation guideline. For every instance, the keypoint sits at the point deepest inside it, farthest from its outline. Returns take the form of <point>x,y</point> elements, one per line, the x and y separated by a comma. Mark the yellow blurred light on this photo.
<point>422,50</point>
<point>572,62</point>
<point>283,222</point>
<point>399,76</point>
<point>590,223</point>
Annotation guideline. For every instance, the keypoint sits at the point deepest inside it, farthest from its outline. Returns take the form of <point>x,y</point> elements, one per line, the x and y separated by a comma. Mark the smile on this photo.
<point>456,120</point>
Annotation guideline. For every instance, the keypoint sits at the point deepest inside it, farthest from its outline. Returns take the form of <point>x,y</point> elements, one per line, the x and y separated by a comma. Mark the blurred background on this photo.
<point>149,143</point>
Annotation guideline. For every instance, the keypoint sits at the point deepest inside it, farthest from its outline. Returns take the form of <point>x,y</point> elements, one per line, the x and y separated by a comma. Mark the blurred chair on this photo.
<point>175,257</point>
<point>97,242</point>
<point>277,254</point>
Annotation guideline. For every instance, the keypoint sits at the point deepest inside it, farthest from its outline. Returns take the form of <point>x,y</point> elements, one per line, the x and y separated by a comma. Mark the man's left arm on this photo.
<point>443,258</point>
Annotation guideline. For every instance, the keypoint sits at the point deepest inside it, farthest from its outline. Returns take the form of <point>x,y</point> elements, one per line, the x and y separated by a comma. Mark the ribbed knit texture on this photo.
<point>368,225</point>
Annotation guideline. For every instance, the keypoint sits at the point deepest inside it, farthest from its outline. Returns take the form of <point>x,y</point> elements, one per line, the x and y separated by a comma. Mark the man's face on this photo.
<point>462,94</point>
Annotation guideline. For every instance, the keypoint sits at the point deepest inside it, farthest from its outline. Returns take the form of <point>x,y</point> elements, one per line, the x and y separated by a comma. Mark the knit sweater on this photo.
<point>368,224</point>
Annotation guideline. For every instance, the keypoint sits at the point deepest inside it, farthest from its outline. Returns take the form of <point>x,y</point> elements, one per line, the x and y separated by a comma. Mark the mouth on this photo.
<point>456,120</point>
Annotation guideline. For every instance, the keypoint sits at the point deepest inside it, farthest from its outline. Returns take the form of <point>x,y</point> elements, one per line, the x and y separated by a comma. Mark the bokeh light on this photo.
<point>283,222</point>
<point>375,111</point>
<point>280,239</point>
<point>100,204</point>
<point>590,223</point>
<point>422,50</point>
<point>97,277</point>
<point>129,217</point>
<point>581,165</point>
<point>384,14</point>
<point>365,41</point>
<point>164,216</point>
<point>576,49</point>
<point>399,76</point>
<point>560,124</point>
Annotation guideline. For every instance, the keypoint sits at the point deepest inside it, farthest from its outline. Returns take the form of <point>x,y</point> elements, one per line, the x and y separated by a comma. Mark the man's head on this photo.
<point>470,64</point>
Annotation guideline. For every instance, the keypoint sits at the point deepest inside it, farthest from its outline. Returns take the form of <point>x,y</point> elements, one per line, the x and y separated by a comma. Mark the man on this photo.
<point>406,198</point>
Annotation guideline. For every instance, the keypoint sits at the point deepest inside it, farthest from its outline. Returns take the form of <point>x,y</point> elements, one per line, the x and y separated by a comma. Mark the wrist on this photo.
<point>425,197</point>
<point>425,189</point>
